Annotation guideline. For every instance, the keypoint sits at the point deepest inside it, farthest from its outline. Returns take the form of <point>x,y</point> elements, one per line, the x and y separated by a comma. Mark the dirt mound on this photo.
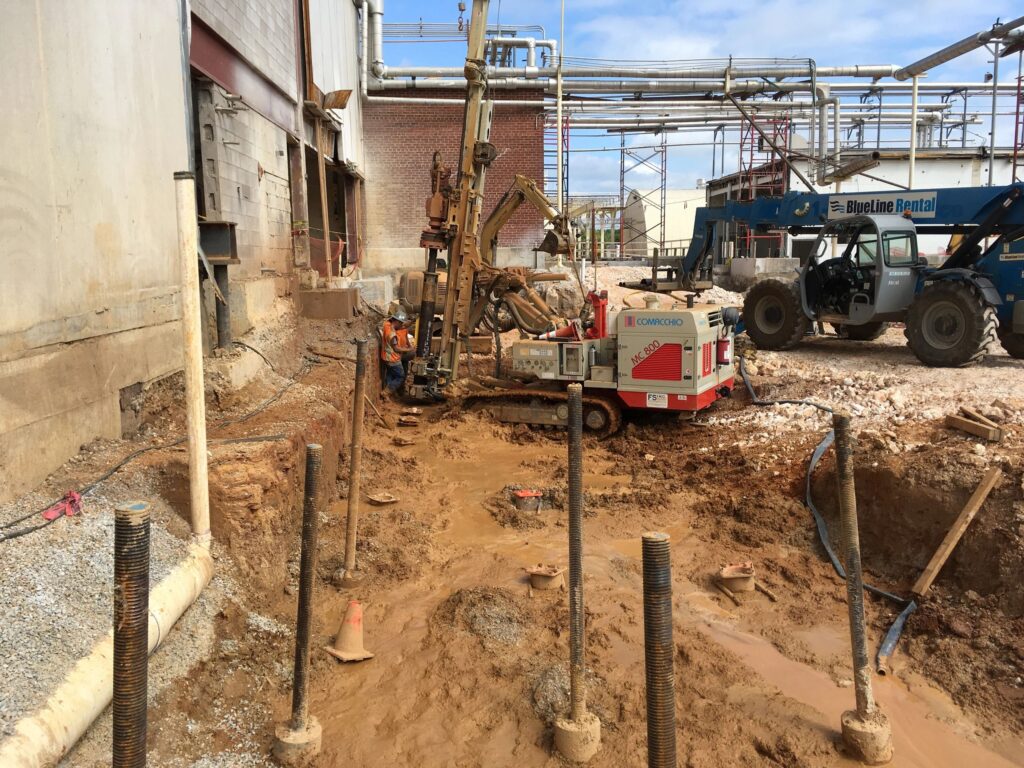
<point>493,615</point>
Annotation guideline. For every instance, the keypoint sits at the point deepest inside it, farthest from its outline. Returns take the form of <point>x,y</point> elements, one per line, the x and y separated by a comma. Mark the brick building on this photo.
<point>400,140</point>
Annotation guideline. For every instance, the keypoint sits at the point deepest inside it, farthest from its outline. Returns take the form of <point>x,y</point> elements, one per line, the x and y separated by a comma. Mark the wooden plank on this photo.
<point>974,428</point>
<point>955,533</point>
<point>970,413</point>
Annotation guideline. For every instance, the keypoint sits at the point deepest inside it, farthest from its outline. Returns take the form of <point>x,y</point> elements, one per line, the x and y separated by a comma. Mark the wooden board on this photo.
<point>974,428</point>
<point>970,413</point>
<point>988,482</point>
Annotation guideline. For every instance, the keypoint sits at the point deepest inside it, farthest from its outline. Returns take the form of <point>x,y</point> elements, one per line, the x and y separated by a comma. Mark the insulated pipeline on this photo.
<point>659,651</point>
<point>131,634</point>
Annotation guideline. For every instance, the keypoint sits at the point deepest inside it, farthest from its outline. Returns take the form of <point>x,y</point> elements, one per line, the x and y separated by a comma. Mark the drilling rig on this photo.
<point>453,215</point>
<point>679,359</point>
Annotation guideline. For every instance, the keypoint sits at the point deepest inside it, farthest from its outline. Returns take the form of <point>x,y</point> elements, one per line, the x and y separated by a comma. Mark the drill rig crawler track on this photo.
<point>548,407</point>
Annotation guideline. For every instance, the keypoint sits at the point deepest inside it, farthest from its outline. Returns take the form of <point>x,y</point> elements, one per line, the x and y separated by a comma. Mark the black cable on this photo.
<point>253,349</point>
<point>87,489</point>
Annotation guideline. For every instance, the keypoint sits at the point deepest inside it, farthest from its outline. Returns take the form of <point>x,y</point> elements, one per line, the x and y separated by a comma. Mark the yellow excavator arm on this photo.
<point>559,239</point>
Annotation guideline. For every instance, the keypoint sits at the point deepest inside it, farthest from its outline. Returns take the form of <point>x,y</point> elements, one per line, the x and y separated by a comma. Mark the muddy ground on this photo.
<point>470,668</point>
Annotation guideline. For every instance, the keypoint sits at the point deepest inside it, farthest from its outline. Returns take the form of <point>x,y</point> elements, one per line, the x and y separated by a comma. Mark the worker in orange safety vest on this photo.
<point>392,347</point>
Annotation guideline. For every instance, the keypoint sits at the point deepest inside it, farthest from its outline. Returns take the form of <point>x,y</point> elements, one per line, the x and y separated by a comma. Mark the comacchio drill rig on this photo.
<point>666,359</point>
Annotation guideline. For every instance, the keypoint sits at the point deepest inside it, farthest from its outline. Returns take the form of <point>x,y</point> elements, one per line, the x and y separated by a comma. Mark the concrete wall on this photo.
<point>400,140</point>
<point>262,31</point>
<point>93,131</point>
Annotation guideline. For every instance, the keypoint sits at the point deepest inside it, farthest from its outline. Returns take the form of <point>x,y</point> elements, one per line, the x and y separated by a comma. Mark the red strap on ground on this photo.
<point>69,505</point>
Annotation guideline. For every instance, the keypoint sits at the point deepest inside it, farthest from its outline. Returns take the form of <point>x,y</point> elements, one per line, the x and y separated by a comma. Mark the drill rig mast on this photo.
<point>454,218</point>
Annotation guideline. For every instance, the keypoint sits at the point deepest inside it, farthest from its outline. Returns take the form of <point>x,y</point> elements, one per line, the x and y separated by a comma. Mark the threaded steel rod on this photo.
<point>659,651</point>
<point>577,688</point>
<point>131,634</point>
<point>355,458</point>
<point>307,570</point>
<point>851,556</point>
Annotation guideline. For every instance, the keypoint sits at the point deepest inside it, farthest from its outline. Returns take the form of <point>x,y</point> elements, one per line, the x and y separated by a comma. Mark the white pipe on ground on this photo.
<point>191,330</point>
<point>41,739</point>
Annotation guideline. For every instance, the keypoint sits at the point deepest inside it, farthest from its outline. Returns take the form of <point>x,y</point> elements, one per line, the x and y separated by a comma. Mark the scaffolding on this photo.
<point>637,236</point>
<point>763,173</point>
<point>551,137</point>
<point>1018,132</point>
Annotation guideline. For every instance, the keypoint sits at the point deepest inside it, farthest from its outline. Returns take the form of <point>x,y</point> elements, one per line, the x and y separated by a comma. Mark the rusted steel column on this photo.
<point>298,740</point>
<point>131,634</point>
<point>578,736</point>
<point>659,651</point>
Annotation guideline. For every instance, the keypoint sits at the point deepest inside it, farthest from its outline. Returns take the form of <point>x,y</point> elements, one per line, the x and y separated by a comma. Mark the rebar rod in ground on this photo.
<point>659,651</point>
<point>131,634</point>
<point>577,688</point>
<point>851,556</point>
<point>355,459</point>
<point>307,572</point>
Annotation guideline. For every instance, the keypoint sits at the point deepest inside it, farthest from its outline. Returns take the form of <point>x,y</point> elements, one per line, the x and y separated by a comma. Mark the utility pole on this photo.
<point>558,111</point>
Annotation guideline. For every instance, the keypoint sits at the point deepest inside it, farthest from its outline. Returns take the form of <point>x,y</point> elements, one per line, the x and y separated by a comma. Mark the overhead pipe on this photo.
<point>950,52</point>
<point>376,8</point>
<point>47,735</point>
<point>531,44</point>
<point>716,117</point>
<point>548,85</point>
<point>696,73</point>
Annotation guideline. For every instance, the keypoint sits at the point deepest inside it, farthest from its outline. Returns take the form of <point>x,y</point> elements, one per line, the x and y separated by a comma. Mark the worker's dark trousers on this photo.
<point>394,375</point>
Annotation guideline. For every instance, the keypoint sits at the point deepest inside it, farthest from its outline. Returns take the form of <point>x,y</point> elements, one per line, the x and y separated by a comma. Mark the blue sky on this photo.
<point>833,33</point>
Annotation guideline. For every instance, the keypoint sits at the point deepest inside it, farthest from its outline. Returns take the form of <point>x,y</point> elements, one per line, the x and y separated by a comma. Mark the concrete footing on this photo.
<point>343,579</point>
<point>297,748</point>
<point>578,740</point>
<point>868,739</point>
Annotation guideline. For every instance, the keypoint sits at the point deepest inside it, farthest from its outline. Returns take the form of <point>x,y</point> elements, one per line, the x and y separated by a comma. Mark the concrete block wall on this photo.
<point>245,180</point>
<point>399,142</point>
<point>262,31</point>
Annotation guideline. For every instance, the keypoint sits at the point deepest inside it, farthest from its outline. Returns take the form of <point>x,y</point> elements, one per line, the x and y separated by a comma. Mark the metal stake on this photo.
<point>578,693</point>
<point>866,730</point>
<point>349,576</point>
<point>307,569</point>
<point>131,634</point>
<point>577,737</point>
<point>299,739</point>
<point>659,651</point>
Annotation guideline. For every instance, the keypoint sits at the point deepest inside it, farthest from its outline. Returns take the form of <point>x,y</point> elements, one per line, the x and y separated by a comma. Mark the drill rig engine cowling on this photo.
<point>677,359</point>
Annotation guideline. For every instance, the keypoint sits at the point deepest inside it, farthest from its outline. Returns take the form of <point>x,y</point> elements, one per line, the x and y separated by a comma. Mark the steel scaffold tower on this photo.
<point>637,237</point>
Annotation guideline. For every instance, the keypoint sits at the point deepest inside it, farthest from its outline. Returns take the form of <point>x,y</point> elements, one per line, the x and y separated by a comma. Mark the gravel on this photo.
<point>58,584</point>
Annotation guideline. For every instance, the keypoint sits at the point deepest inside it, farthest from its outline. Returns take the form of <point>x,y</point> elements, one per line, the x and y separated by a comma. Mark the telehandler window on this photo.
<point>899,249</point>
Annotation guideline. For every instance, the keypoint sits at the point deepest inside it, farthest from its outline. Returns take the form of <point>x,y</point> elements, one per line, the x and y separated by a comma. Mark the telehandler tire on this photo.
<point>950,326</point>
<point>866,332</point>
<point>1013,343</point>
<point>773,315</point>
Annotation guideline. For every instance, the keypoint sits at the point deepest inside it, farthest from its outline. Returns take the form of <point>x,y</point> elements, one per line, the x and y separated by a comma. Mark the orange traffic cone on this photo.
<point>348,645</point>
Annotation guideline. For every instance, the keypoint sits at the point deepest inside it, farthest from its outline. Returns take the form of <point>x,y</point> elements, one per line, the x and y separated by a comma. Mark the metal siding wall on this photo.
<point>334,39</point>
